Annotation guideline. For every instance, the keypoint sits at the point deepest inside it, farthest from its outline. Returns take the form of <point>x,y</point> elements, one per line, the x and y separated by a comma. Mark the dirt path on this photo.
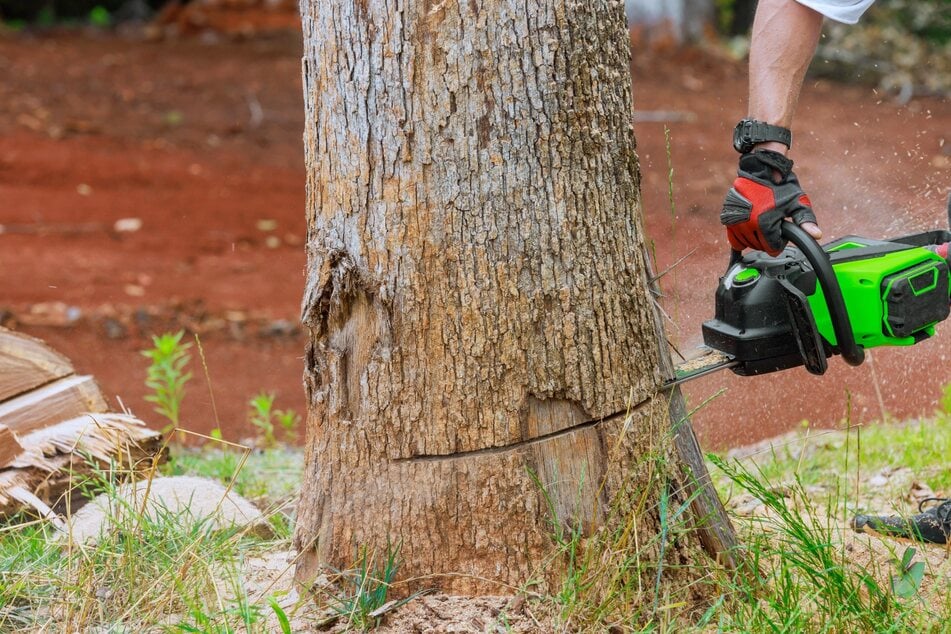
<point>201,143</point>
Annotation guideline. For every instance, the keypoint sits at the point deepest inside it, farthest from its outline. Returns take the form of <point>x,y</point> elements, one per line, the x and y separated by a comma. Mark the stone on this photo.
<point>189,496</point>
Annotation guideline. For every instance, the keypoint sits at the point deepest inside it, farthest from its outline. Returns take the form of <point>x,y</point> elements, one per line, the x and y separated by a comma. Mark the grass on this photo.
<point>627,576</point>
<point>269,475</point>
<point>813,573</point>
<point>362,591</point>
<point>177,573</point>
<point>806,571</point>
<point>818,457</point>
<point>163,569</point>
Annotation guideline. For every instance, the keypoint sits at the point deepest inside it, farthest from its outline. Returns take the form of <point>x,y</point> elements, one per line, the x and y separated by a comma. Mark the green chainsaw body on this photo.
<point>895,295</point>
<point>812,302</point>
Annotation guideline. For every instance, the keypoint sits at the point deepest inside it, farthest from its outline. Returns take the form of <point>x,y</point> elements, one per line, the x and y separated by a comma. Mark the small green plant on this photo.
<point>281,615</point>
<point>167,375</point>
<point>99,17</point>
<point>364,588</point>
<point>263,416</point>
<point>946,399</point>
<point>910,573</point>
<point>288,419</point>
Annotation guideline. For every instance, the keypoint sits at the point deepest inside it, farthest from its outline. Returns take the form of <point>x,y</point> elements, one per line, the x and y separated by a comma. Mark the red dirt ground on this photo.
<point>201,141</point>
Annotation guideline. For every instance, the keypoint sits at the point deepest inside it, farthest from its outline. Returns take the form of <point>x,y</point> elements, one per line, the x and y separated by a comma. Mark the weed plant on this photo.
<point>359,593</point>
<point>167,375</point>
<point>263,416</point>
<point>624,577</point>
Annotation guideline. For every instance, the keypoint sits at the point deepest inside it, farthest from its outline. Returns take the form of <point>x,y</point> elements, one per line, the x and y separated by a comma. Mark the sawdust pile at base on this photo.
<point>441,613</point>
<point>272,574</point>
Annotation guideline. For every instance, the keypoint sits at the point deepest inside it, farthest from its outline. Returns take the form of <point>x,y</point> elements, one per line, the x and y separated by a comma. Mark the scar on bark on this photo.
<point>344,315</point>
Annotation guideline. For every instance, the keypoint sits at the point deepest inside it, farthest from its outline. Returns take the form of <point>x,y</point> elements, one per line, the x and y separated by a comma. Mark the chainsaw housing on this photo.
<point>771,314</point>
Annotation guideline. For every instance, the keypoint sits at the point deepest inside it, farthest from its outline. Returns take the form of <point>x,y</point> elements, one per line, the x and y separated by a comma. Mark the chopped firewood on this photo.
<point>9,446</point>
<point>55,432</point>
<point>57,458</point>
<point>27,363</point>
<point>65,398</point>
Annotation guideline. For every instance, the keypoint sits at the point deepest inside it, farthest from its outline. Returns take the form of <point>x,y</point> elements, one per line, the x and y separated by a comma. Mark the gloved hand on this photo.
<point>757,203</point>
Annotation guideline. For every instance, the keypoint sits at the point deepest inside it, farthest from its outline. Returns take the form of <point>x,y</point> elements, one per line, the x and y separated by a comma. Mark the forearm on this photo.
<point>785,34</point>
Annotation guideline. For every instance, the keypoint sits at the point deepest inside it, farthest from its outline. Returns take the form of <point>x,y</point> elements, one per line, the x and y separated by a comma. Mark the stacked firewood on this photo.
<point>56,429</point>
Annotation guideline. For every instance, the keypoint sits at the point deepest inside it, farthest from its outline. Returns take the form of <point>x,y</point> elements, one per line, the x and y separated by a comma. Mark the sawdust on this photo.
<point>272,574</point>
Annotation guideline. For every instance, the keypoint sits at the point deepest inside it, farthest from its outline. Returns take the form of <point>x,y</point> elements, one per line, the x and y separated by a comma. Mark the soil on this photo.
<point>893,490</point>
<point>272,574</point>
<point>154,185</point>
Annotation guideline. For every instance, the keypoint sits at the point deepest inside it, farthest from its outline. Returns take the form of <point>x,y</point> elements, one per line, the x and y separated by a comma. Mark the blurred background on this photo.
<point>152,180</point>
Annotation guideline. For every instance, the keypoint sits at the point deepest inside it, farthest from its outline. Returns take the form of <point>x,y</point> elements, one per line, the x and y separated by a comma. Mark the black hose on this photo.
<point>819,259</point>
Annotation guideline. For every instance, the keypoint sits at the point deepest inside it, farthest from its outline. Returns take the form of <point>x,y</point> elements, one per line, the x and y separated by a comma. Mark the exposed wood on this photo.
<point>27,363</point>
<point>59,457</point>
<point>713,526</point>
<point>62,399</point>
<point>477,295</point>
<point>53,429</point>
<point>41,508</point>
<point>9,446</point>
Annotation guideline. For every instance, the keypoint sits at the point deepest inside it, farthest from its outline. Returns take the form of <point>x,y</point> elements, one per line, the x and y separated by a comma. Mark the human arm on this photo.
<point>785,34</point>
<point>766,192</point>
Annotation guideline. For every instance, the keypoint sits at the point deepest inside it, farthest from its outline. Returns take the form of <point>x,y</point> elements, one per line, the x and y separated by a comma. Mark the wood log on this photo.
<point>50,404</point>
<point>10,448</point>
<point>27,363</point>
<point>57,458</point>
<point>54,430</point>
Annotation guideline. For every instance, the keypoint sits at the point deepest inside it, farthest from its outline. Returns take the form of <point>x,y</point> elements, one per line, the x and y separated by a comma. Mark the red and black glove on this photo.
<point>757,204</point>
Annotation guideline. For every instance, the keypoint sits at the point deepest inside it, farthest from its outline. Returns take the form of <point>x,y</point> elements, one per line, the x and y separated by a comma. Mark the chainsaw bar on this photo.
<point>707,362</point>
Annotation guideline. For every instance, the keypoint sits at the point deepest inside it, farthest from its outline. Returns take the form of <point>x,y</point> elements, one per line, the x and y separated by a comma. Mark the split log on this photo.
<point>55,429</point>
<point>66,398</point>
<point>9,446</point>
<point>56,459</point>
<point>27,363</point>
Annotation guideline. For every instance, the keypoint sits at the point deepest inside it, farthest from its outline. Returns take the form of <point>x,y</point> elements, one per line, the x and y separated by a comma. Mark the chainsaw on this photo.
<point>813,302</point>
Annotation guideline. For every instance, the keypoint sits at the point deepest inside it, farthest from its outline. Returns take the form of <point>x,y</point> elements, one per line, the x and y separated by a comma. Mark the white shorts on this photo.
<point>848,11</point>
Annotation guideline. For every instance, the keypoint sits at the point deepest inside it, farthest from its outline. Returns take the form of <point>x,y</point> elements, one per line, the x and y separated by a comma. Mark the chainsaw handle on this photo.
<point>819,259</point>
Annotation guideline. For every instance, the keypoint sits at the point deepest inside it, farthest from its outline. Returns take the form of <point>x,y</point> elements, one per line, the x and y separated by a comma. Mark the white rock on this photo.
<point>191,497</point>
<point>127,225</point>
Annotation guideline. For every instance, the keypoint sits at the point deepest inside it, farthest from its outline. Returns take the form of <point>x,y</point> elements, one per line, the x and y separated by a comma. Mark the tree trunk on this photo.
<point>477,293</point>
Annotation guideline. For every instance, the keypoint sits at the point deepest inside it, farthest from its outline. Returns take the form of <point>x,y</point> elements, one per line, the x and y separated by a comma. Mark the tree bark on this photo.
<point>477,293</point>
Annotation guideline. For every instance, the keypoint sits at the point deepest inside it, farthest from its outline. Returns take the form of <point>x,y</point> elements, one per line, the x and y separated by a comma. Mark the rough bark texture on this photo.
<point>477,295</point>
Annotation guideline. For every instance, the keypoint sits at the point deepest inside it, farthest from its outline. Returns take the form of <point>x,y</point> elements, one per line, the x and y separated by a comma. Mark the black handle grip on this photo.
<point>819,259</point>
